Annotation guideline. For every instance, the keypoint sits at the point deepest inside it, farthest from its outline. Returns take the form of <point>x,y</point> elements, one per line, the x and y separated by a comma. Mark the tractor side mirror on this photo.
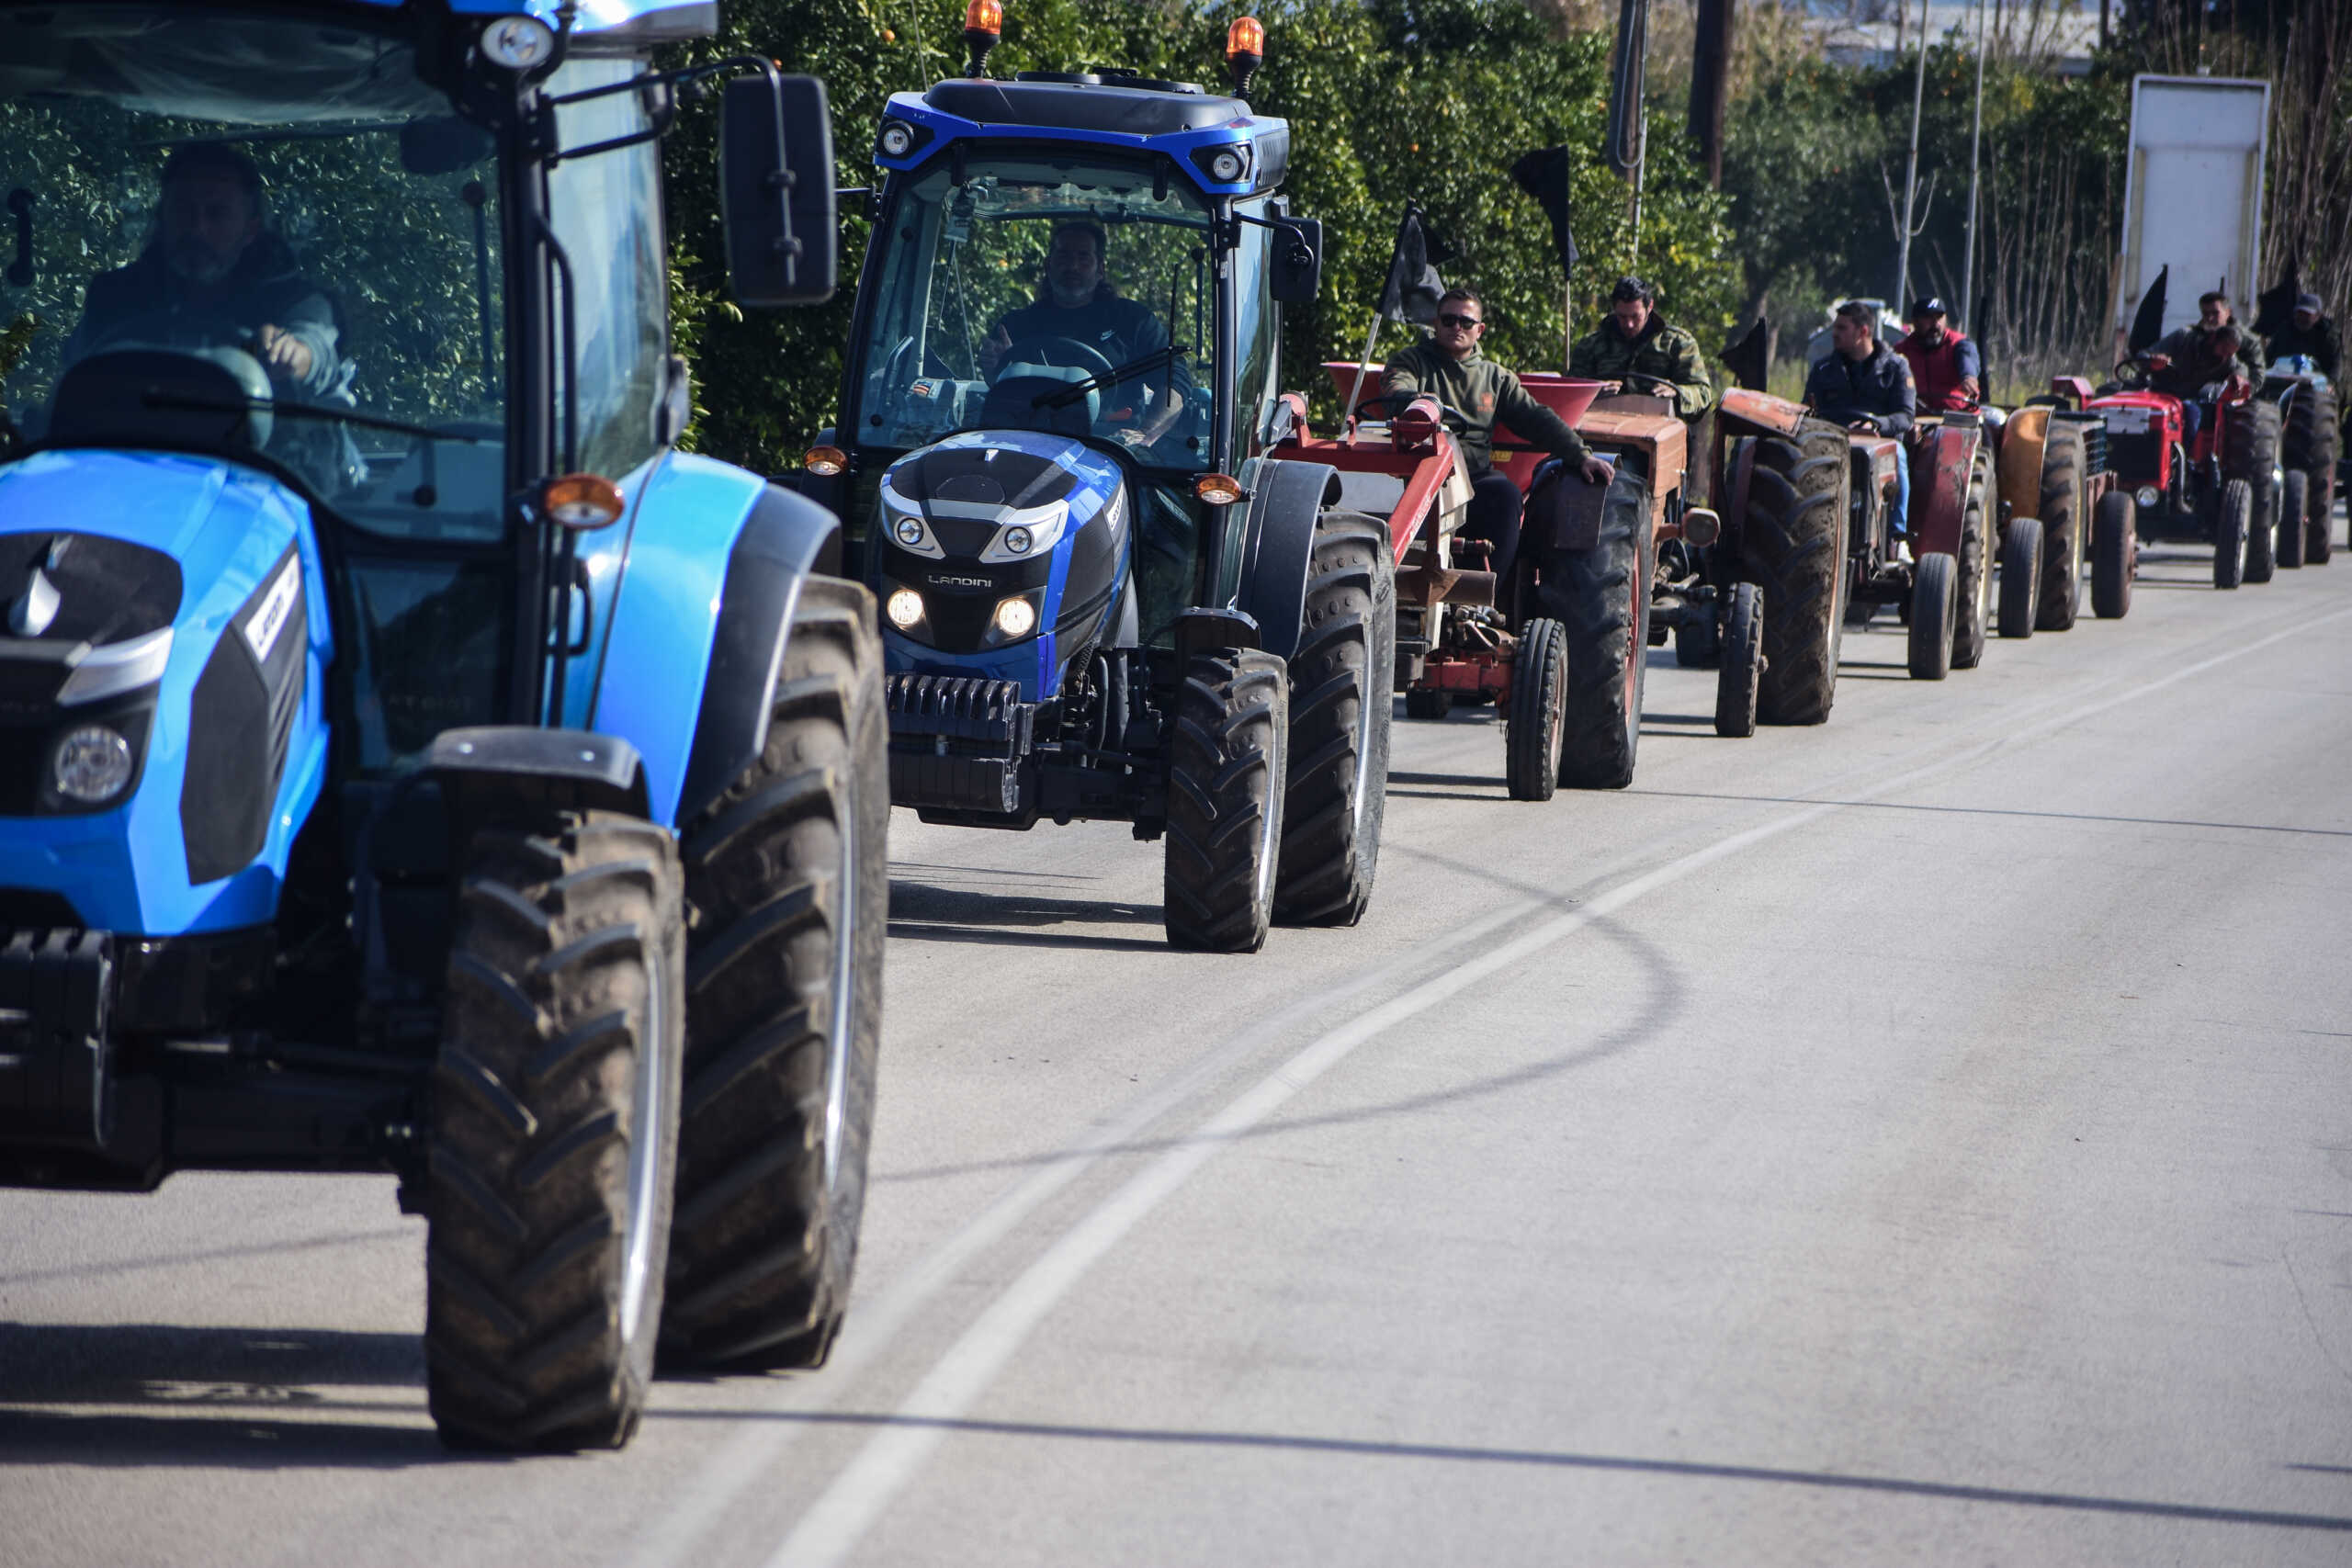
<point>1297,266</point>
<point>776,183</point>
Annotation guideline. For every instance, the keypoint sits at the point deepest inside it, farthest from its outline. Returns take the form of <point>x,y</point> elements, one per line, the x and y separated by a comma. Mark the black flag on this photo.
<point>2275,308</point>
<point>1543,175</point>
<point>2148,322</point>
<point>1751,359</point>
<point>1414,287</point>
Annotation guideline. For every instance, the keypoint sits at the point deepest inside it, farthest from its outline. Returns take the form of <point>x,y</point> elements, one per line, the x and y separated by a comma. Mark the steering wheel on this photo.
<point>1455,420</point>
<point>1062,353</point>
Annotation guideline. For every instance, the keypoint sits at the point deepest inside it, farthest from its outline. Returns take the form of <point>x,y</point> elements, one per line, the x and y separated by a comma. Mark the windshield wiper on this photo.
<point>1117,373</point>
<point>307,410</point>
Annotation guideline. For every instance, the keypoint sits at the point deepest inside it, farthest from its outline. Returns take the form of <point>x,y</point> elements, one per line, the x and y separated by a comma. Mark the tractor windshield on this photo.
<point>1068,293</point>
<point>259,212</point>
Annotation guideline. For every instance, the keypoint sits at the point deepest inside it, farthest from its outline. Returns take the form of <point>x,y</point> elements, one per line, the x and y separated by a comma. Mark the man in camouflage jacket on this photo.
<point>1635,346</point>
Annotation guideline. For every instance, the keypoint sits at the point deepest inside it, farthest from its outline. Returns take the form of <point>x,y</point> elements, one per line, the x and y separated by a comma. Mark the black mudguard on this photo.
<point>787,538</point>
<point>1280,550</point>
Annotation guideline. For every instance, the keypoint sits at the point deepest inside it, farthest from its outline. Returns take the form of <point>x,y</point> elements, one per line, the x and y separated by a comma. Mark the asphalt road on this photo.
<point>1920,1139</point>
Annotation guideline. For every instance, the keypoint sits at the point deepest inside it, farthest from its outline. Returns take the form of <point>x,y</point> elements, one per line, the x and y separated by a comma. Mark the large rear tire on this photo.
<point>553,1125</point>
<point>1601,599</point>
<point>2232,522</point>
<point>790,884</point>
<point>2311,442</point>
<point>2063,530</point>
<point>1974,606</point>
<point>2294,500</point>
<point>2114,550</point>
<point>1228,762</point>
<point>1340,716</point>
<point>1935,602</point>
<point>1793,543</point>
<point>1743,664</point>
<point>1532,724</point>
<point>2022,578</point>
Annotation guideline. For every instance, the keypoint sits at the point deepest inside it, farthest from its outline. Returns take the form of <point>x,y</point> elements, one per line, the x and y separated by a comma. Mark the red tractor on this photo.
<point>1939,573</point>
<point>2223,485</point>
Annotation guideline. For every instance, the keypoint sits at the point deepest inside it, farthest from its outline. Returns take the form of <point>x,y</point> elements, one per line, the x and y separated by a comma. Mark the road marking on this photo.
<point>847,1509</point>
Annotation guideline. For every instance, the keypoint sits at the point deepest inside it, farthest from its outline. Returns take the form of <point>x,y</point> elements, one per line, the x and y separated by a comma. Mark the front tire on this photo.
<point>1339,726</point>
<point>2114,550</point>
<point>2294,500</point>
<point>1974,606</point>
<point>1743,664</point>
<point>1227,762</point>
<point>1601,599</point>
<point>1934,593</point>
<point>553,1122</point>
<point>2022,577</point>
<point>2233,521</point>
<point>2062,544</point>
<point>787,873</point>
<point>1532,725</point>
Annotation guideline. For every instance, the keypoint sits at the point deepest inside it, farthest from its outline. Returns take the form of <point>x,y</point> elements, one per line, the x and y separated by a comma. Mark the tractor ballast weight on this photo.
<point>1106,595</point>
<point>376,717</point>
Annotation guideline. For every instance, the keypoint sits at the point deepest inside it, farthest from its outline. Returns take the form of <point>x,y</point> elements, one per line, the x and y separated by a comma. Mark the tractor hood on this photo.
<point>174,600</point>
<point>986,521</point>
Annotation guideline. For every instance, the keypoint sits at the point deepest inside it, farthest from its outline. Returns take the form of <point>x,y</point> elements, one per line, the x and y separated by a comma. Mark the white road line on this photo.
<point>847,1509</point>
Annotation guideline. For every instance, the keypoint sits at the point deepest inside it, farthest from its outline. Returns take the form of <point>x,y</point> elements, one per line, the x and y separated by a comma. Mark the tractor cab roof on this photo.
<point>1218,141</point>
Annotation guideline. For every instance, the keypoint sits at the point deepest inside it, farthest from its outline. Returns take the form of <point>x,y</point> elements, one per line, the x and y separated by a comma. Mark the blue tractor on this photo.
<point>1102,596</point>
<point>409,761</point>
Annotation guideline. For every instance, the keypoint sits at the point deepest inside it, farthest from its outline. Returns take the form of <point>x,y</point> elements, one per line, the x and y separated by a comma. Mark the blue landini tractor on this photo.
<point>1102,597</point>
<point>409,761</point>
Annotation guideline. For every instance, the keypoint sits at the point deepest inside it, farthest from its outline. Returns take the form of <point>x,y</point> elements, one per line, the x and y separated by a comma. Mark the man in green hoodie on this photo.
<point>1449,368</point>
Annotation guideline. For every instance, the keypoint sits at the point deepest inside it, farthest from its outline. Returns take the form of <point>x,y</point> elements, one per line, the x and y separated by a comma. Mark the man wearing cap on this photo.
<point>1946,369</point>
<point>2312,335</point>
<point>2201,360</point>
<point>1449,368</point>
<point>213,272</point>
<point>1634,344</point>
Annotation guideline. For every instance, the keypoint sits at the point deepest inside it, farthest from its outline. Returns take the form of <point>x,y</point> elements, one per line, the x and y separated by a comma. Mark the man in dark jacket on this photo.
<point>215,277</point>
<point>1635,346</point>
<point>1866,387</point>
<point>2200,361</point>
<point>1075,301</point>
<point>1449,368</point>
<point>2310,334</point>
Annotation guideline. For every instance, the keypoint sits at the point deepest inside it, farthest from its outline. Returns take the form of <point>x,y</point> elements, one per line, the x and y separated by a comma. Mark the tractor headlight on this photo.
<point>518,43</point>
<point>1027,534</point>
<point>1016,541</point>
<point>91,765</point>
<point>2147,496</point>
<point>1015,617</point>
<point>897,139</point>
<point>910,531</point>
<point>905,608</point>
<point>907,526</point>
<point>1224,167</point>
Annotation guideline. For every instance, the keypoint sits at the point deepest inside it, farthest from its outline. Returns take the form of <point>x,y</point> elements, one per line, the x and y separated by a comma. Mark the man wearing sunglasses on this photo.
<point>1449,368</point>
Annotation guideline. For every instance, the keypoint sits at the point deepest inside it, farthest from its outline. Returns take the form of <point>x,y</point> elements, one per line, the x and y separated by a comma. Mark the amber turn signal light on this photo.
<point>1217,490</point>
<point>586,501</point>
<point>825,462</point>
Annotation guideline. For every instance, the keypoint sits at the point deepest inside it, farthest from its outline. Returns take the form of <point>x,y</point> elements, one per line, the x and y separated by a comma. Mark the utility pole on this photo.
<point>1975,141</point>
<point>1711,84</point>
<point>1911,171</point>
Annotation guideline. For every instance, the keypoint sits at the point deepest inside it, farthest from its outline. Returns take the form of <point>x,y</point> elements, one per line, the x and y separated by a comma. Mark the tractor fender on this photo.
<point>485,770</point>
<point>2028,436</point>
<point>1940,471</point>
<point>1278,555</point>
<point>707,586</point>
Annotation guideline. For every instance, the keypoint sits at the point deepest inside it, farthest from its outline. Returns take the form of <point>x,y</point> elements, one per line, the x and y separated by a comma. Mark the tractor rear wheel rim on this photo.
<point>647,1134</point>
<point>844,945</point>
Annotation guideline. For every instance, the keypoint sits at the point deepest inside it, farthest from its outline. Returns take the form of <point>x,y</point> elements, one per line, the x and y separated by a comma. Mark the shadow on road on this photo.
<point>141,1394</point>
<point>923,911</point>
<point>1546,1459</point>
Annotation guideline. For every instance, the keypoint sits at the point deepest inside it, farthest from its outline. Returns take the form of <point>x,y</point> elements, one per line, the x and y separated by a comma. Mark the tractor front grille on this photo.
<point>2137,458</point>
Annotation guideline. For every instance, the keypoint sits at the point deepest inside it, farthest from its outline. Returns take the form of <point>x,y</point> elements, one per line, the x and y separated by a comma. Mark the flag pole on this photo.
<point>1363,362</point>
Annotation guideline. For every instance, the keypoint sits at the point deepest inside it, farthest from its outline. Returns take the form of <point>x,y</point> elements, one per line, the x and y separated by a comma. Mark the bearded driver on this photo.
<point>1634,345</point>
<point>1077,302</point>
<point>1946,369</point>
<point>213,269</point>
<point>1449,368</point>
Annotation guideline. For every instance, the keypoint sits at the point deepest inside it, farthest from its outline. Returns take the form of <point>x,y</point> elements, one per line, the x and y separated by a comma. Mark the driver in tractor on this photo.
<point>1947,370</point>
<point>2203,361</point>
<point>2310,334</point>
<point>1076,300</point>
<point>1449,368</point>
<point>1638,348</point>
<point>214,270</point>
<point>1867,387</point>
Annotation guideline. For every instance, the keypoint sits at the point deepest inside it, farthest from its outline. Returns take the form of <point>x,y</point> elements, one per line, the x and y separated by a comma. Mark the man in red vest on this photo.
<point>1945,365</point>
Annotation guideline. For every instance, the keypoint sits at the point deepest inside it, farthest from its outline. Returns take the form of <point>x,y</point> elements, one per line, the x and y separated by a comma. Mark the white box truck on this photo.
<point>2192,195</point>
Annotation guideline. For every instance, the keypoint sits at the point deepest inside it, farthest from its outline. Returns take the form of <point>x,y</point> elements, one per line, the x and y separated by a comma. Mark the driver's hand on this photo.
<point>1867,426</point>
<point>283,353</point>
<point>1971,390</point>
<point>2159,361</point>
<point>1597,471</point>
<point>992,349</point>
